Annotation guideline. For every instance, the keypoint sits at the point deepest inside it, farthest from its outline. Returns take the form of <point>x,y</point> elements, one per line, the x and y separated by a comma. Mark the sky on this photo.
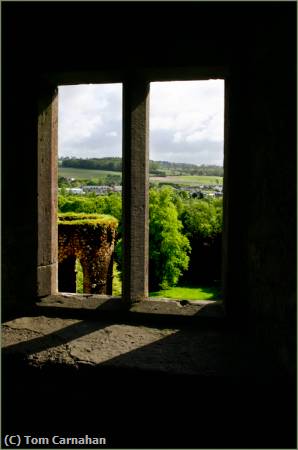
<point>186,121</point>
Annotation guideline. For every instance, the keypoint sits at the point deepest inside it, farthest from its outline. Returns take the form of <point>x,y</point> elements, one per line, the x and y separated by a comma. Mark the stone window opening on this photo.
<point>135,179</point>
<point>180,112</point>
<point>86,242</point>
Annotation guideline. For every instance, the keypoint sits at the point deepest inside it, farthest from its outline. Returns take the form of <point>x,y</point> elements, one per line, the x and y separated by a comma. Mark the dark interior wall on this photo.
<point>255,41</point>
<point>263,213</point>
<point>261,256</point>
<point>19,188</point>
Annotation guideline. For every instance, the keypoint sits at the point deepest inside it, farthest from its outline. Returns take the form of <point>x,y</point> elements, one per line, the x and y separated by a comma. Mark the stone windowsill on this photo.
<point>156,306</point>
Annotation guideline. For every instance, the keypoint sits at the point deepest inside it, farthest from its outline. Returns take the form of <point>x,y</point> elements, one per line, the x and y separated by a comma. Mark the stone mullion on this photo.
<point>135,190</point>
<point>47,254</point>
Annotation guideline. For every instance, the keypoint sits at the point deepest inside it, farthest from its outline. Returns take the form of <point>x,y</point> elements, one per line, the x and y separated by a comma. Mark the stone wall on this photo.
<point>255,43</point>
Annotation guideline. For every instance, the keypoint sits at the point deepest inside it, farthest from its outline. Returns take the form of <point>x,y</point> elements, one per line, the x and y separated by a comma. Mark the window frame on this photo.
<point>135,154</point>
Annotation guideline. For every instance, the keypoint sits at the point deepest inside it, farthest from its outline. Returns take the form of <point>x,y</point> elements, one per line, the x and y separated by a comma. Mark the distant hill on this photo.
<point>157,168</point>
<point>113,164</point>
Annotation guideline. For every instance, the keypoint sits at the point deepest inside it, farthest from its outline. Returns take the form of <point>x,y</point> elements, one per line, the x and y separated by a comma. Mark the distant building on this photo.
<point>76,191</point>
<point>99,190</point>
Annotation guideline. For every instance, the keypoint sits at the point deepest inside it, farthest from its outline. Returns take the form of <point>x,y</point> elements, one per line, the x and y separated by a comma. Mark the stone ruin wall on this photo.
<point>92,242</point>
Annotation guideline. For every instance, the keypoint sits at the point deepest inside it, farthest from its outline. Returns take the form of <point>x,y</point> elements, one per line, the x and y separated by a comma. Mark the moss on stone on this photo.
<point>90,238</point>
<point>87,219</point>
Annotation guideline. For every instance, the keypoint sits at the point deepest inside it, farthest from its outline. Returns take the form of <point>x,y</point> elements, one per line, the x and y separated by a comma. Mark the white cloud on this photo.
<point>186,121</point>
<point>112,133</point>
<point>160,122</point>
<point>89,115</point>
<point>177,137</point>
<point>193,110</point>
<point>212,129</point>
<point>79,126</point>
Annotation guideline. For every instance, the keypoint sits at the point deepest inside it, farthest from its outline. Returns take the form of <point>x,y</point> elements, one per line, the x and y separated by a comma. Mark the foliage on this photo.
<point>79,277</point>
<point>168,248</point>
<point>185,233</point>
<point>64,182</point>
<point>119,252</point>
<point>202,217</point>
<point>202,224</point>
<point>117,284</point>
<point>110,204</point>
<point>114,164</point>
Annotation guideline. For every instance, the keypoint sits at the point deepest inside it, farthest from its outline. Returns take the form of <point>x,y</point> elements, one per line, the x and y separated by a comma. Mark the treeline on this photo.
<point>158,168</point>
<point>184,234</point>
<point>113,164</point>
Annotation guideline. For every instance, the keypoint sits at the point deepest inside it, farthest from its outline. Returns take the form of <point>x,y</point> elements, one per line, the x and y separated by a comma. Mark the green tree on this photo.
<point>168,248</point>
<point>202,222</point>
<point>111,204</point>
<point>202,217</point>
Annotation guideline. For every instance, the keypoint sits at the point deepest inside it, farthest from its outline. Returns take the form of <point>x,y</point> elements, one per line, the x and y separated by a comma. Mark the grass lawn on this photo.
<point>188,293</point>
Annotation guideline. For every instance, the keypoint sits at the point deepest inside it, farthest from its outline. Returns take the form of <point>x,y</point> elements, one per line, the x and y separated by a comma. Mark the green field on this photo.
<point>188,293</point>
<point>85,174</point>
<point>189,180</point>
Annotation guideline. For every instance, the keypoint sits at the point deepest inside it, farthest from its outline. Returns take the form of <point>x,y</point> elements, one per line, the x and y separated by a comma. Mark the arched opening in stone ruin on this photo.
<point>79,276</point>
